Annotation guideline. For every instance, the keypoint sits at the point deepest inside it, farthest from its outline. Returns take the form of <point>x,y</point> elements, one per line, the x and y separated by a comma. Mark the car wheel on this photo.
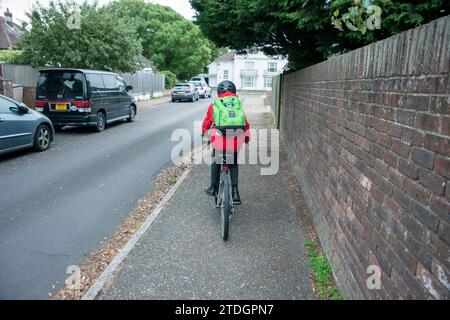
<point>203,96</point>
<point>42,138</point>
<point>132,113</point>
<point>173,100</point>
<point>101,122</point>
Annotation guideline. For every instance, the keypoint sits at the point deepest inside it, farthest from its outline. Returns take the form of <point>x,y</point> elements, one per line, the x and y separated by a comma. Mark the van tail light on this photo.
<point>39,106</point>
<point>82,106</point>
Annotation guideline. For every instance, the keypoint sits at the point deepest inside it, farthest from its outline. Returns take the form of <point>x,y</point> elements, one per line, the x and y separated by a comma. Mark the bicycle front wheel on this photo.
<point>226,208</point>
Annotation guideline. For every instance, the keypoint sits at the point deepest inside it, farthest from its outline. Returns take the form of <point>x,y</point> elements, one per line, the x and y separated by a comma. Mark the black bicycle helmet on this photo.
<point>225,86</point>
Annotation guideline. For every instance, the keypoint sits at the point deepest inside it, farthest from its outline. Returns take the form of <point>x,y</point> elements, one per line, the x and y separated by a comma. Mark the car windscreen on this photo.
<point>60,85</point>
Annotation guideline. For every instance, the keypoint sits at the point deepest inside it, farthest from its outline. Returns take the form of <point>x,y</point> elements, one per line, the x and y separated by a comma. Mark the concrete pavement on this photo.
<point>182,255</point>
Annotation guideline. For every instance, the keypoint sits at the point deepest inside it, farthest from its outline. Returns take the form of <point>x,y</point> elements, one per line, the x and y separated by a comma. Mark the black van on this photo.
<point>78,97</point>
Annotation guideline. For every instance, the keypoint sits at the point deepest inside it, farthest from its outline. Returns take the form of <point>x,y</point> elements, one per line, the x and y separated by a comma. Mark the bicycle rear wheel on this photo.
<point>226,207</point>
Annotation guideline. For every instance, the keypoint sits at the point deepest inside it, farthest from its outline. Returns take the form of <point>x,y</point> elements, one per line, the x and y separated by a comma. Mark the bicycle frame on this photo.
<point>224,178</point>
<point>223,196</point>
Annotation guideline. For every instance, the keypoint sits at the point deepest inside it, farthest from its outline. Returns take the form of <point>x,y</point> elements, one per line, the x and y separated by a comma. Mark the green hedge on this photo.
<point>171,79</point>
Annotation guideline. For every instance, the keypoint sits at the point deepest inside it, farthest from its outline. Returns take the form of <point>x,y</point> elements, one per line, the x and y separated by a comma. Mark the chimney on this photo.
<point>8,16</point>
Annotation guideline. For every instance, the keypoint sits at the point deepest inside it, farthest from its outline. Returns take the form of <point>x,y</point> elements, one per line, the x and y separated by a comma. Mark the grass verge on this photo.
<point>322,271</point>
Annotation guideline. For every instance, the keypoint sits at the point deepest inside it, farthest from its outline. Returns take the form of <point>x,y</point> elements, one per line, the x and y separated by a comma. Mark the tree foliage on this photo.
<point>171,79</point>
<point>9,56</point>
<point>101,41</point>
<point>169,40</point>
<point>302,29</point>
<point>361,17</point>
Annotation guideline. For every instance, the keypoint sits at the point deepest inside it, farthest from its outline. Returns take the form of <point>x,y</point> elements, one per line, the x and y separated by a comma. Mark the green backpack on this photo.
<point>228,112</point>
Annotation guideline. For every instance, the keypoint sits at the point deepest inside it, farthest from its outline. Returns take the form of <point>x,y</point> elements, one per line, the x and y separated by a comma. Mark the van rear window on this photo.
<point>60,85</point>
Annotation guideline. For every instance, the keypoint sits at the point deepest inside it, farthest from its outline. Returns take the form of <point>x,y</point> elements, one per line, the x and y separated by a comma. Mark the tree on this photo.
<point>302,29</point>
<point>169,40</point>
<point>184,53</point>
<point>171,79</point>
<point>9,56</point>
<point>396,16</point>
<point>216,51</point>
<point>66,34</point>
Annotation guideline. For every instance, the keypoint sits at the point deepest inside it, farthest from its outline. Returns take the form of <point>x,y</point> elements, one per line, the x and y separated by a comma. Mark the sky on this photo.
<point>19,7</point>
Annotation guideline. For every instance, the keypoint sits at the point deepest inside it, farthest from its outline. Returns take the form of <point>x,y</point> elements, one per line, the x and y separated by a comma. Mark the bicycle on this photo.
<point>224,198</point>
<point>223,195</point>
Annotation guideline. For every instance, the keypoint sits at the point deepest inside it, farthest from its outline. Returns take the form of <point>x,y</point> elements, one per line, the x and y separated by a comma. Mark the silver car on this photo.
<point>203,89</point>
<point>22,127</point>
<point>185,91</point>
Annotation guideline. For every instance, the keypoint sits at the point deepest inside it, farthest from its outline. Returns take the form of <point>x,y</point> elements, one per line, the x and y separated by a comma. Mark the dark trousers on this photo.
<point>215,170</point>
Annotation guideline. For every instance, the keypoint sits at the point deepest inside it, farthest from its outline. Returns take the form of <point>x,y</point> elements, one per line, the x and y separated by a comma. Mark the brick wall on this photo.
<point>29,96</point>
<point>368,134</point>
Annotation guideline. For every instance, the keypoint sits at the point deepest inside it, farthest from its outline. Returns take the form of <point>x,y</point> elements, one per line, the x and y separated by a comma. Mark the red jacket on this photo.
<point>209,120</point>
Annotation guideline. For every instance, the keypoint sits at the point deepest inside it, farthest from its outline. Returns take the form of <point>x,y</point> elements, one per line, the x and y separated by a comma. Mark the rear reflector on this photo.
<point>41,103</point>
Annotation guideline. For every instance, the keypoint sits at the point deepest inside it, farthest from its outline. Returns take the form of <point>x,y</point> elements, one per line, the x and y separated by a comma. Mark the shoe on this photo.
<point>210,191</point>
<point>235,195</point>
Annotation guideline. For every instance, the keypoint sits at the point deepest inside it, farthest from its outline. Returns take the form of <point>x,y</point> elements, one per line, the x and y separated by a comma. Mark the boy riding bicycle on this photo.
<point>226,115</point>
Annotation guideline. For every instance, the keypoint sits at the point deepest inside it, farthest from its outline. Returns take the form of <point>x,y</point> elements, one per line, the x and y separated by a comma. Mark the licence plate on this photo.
<point>61,107</point>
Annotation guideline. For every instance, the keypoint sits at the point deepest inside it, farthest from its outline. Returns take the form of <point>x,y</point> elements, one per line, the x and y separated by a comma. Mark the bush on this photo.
<point>65,34</point>
<point>10,56</point>
<point>171,79</point>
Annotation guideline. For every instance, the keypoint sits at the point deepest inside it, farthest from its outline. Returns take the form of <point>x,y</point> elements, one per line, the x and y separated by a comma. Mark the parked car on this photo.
<point>185,91</point>
<point>203,89</point>
<point>84,98</point>
<point>199,78</point>
<point>22,127</point>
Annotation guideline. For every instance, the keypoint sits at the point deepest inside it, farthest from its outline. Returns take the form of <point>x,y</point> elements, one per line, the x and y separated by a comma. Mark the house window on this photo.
<point>249,65</point>
<point>225,74</point>
<point>248,82</point>
<point>272,67</point>
<point>268,82</point>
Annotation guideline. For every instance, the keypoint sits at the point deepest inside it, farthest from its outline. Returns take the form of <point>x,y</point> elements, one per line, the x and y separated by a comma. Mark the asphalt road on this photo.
<point>57,206</point>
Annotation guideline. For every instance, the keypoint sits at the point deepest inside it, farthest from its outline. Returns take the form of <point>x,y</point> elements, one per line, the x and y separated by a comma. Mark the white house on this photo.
<point>253,71</point>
